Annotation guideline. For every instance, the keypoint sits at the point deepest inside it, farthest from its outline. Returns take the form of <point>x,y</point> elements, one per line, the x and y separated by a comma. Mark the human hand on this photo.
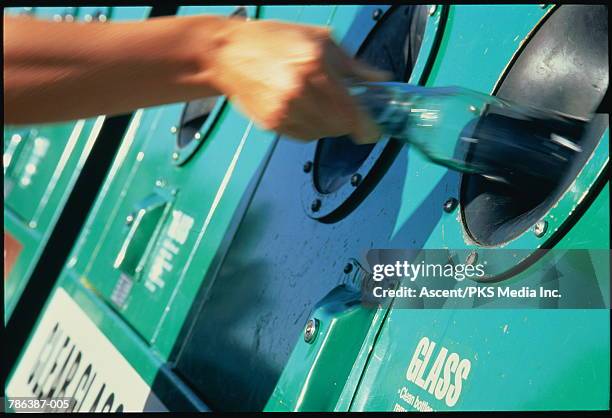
<point>289,78</point>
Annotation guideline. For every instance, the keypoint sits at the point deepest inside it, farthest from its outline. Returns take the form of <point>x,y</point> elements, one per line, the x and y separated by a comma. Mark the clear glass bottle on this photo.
<point>474,132</point>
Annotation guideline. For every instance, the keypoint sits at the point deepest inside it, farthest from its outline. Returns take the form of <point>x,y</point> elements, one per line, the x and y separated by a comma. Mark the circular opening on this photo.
<point>194,115</point>
<point>196,112</point>
<point>563,67</point>
<point>393,46</point>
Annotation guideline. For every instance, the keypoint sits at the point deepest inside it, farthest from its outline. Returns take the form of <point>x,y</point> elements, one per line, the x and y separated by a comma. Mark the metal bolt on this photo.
<point>377,14</point>
<point>355,179</point>
<point>160,183</point>
<point>129,219</point>
<point>450,204</point>
<point>68,18</point>
<point>175,155</point>
<point>197,136</point>
<point>316,205</point>
<point>88,18</point>
<point>348,268</point>
<point>540,228</point>
<point>173,130</point>
<point>32,224</point>
<point>471,258</point>
<point>307,166</point>
<point>473,109</point>
<point>432,9</point>
<point>310,332</point>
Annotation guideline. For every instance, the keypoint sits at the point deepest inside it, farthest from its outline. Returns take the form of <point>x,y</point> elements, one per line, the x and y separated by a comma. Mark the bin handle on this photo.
<point>145,223</point>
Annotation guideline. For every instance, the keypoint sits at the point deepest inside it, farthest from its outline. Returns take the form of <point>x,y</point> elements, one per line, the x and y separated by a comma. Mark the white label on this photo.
<point>68,356</point>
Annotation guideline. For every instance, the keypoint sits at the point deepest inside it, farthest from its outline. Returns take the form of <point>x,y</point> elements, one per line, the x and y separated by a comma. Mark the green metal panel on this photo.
<point>36,186</point>
<point>41,165</point>
<point>144,167</point>
<point>520,359</point>
<point>160,218</point>
<point>37,164</point>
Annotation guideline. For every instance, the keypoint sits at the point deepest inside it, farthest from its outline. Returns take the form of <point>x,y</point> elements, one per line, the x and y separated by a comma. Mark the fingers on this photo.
<point>339,68</point>
<point>354,119</point>
<point>315,115</point>
<point>324,109</point>
<point>303,93</point>
<point>308,121</point>
<point>348,115</point>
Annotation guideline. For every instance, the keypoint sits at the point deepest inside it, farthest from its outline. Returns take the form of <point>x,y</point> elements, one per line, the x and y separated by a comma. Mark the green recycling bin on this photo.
<point>41,165</point>
<point>220,277</point>
<point>399,359</point>
<point>179,177</point>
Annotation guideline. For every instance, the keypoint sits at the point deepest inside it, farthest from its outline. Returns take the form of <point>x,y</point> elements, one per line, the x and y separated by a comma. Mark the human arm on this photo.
<point>286,77</point>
